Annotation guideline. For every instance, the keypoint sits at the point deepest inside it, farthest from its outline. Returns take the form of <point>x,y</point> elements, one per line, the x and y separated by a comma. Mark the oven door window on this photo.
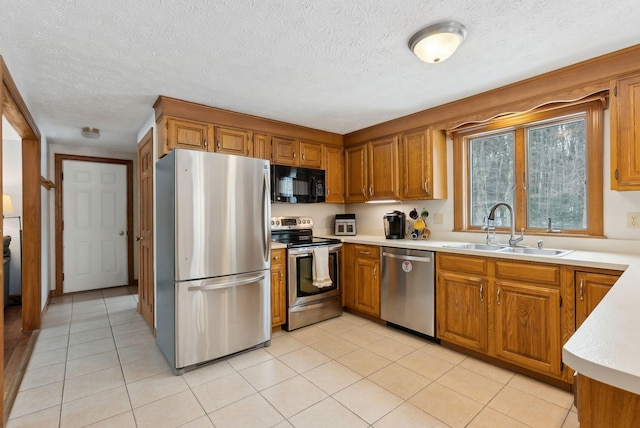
<point>304,268</point>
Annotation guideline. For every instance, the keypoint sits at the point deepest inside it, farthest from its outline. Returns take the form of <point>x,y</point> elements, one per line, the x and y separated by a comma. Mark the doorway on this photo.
<point>94,232</point>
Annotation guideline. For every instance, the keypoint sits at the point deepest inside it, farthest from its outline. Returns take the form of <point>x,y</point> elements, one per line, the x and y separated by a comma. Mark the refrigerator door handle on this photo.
<point>266,201</point>
<point>219,285</point>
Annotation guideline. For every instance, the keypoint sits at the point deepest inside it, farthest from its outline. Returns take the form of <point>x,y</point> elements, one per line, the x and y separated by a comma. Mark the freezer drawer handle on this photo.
<point>220,286</point>
<point>412,258</point>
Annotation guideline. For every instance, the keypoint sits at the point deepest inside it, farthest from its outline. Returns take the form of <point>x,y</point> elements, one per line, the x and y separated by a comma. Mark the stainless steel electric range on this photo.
<point>308,303</point>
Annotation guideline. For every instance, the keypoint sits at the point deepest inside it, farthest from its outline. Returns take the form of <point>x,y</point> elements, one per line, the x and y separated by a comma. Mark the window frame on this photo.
<point>592,108</point>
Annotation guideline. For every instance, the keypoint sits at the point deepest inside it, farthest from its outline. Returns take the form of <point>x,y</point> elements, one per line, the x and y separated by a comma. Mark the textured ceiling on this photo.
<point>334,65</point>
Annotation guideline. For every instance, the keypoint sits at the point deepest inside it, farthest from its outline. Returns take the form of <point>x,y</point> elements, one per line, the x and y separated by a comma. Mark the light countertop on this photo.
<point>606,347</point>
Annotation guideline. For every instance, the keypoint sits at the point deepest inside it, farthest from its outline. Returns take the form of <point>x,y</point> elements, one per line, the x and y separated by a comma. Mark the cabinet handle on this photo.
<point>371,190</point>
<point>294,154</point>
<point>375,271</point>
<point>582,289</point>
<point>365,252</point>
<point>276,257</point>
<point>218,144</point>
<point>303,155</point>
<point>498,295</point>
<point>364,192</point>
<point>481,290</point>
<point>205,144</point>
<point>280,275</point>
<point>426,186</point>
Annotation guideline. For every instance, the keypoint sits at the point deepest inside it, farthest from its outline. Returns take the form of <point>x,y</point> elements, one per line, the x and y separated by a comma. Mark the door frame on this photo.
<point>13,107</point>
<point>59,158</point>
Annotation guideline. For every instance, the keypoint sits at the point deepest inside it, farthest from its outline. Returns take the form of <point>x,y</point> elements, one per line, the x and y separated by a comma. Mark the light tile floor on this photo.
<point>96,364</point>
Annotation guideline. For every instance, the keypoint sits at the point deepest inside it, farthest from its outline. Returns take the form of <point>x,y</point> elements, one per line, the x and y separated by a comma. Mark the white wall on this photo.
<point>12,186</point>
<point>54,149</point>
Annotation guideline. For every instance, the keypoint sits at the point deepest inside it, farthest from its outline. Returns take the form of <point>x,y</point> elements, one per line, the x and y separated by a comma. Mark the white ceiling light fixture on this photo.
<point>92,133</point>
<point>437,42</point>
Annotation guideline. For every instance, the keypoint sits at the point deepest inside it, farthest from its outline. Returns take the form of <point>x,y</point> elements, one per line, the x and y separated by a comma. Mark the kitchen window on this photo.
<point>546,164</point>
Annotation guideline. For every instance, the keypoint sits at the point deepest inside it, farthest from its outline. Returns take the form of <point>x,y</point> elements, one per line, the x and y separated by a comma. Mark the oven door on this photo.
<point>300,267</point>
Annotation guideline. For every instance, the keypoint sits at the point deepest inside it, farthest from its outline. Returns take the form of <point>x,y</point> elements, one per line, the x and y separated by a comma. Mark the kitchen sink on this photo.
<point>535,251</point>
<point>476,246</point>
<point>513,250</point>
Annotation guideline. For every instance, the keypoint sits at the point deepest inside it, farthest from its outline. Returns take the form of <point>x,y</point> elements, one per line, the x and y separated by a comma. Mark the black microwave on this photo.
<point>297,185</point>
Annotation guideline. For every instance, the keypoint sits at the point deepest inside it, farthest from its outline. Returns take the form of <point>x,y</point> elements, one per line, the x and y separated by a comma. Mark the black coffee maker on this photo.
<point>394,225</point>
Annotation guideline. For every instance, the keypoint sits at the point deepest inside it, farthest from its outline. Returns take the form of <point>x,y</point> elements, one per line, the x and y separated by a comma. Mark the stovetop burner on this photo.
<point>297,232</point>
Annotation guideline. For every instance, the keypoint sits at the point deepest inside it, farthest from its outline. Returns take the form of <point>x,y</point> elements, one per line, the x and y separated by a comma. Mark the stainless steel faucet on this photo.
<point>492,216</point>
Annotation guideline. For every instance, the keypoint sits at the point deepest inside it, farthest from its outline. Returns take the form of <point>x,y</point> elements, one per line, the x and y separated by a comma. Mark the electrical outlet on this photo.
<point>438,218</point>
<point>633,220</point>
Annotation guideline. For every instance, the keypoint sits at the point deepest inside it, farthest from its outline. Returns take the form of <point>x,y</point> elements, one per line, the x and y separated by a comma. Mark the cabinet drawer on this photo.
<point>529,272</point>
<point>367,251</point>
<point>278,255</point>
<point>468,264</point>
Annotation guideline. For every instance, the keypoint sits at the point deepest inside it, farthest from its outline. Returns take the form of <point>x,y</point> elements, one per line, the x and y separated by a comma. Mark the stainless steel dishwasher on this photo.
<point>407,292</point>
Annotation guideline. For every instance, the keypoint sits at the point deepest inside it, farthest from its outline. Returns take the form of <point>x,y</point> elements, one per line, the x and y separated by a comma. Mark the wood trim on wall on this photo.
<point>187,110</point>
<point>565,84</point>
<point>59,157</point>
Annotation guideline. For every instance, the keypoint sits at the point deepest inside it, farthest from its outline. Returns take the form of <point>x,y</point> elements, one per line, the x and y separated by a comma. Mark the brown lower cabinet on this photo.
<point>509,310</point>
<point>601,405</point>
<point>278,287</point>
<point>591,288</point>
<point>361,286</point>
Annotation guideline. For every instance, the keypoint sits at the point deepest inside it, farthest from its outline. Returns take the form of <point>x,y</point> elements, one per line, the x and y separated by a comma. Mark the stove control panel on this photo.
<point>287,223</point>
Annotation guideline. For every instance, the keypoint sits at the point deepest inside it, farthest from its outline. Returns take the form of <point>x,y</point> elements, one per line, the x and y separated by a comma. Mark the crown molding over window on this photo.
<point>505,117</point>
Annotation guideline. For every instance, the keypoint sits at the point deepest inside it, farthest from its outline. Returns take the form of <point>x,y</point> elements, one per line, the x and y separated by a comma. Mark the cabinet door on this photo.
<point>348,275</point>
<point>259,146</point>
<point>310,155</point>
<point>424,165</point>
<point>334,170</point>
<point>278,288</point>
<point>625,132</point>
<point>527,326</point>
<point>462,310</point>
<point>383,169</point>
<point>187,134</point>
<point>355,170</point>
<point>590,290</point>
<point>232,141</point>
<point>284,151</point>
<point>367,286</point>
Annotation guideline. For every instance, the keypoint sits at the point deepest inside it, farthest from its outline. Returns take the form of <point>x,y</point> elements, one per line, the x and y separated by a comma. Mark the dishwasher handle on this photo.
<point>404,257</point>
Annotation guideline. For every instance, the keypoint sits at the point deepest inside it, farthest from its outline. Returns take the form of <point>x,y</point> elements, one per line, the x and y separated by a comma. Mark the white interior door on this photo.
<point>95,224</point>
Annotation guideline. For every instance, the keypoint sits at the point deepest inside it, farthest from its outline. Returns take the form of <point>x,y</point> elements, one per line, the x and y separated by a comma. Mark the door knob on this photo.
<point>139,238</point>
<point>121,233</point>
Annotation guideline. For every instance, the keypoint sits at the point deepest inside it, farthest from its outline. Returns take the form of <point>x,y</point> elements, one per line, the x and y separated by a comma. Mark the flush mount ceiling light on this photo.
<point>437,42</point>
<point>88,132</point>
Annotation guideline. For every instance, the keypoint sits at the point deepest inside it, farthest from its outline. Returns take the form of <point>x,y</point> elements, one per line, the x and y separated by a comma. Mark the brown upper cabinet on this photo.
<point>194,135</point>
<point>371,171</point>
<point>334,172</point>
<point>259,148</point>
<point>625,132</point>
<point>423,160</point>
<point>188,134</point>
<point>355,173</point>
<point>232,141</point>
<point>288,151</point>
<point>383,169</point>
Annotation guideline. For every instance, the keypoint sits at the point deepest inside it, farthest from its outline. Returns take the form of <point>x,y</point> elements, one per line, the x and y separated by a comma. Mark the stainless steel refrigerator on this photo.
<point>213,239</point>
